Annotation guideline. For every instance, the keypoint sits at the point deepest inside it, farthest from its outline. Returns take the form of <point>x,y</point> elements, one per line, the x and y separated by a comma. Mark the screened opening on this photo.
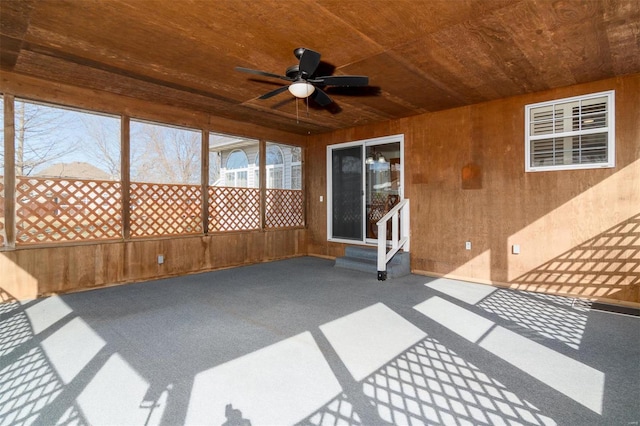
<point>236,159</point>
<point>165,191</point>
<point>234,195</point>
<point>283,174</point>
<point>69,179</point>
<point>67,165</point>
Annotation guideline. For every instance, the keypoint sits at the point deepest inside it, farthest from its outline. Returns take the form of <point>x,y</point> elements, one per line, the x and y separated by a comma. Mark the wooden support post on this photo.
<point>125,175</point>
<point>263,182</point>
<point>204,179</point>
<point>9,171</point>
<point>303,186</point>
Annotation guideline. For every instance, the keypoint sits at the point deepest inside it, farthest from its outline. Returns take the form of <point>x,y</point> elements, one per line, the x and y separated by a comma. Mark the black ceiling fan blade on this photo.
<point>309,61</point>
<point>263,73</point>
<point>274,92</point>
<point>321,98</point>
<point>342,80</point>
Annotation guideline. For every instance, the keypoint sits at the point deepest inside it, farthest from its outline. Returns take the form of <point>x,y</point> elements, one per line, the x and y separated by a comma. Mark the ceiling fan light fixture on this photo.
<point>301,89</point>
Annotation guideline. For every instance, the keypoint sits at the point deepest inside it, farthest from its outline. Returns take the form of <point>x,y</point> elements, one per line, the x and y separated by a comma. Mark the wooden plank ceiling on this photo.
<point>420,56</point>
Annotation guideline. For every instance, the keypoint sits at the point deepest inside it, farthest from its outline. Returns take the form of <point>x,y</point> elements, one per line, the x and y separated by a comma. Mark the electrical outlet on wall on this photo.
<point>467,245</point>
<point>160,259</point>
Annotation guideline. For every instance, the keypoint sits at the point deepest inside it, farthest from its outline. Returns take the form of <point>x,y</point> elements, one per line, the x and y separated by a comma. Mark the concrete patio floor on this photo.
<point>301,342</point>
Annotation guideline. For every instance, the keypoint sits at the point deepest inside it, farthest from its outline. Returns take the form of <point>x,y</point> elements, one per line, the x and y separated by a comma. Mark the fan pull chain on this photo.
<point>297,117</point>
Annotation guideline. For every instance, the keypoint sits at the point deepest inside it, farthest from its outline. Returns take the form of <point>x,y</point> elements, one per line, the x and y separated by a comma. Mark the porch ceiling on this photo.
<point>421,56</point>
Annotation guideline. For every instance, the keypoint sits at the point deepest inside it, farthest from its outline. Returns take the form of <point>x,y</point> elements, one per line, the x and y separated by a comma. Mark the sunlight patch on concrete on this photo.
<point>278,384</point>
<point>68,360</point>
<point>367,339</point>
<point>431,384</point>
<point>115,396</point>
<point>553,318</point>
<point>470,293</point>
<point>43,313</point>
<point>459,320</point>
<point>572,378</point>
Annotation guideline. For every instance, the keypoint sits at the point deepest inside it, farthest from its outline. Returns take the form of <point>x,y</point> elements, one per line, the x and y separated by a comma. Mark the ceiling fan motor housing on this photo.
<point>293,71</point>
<point>298,52</point>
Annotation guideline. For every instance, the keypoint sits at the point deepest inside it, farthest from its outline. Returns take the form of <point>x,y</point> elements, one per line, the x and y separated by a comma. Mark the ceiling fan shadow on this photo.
<point>273,83</point>
<point>283,102</point>
<point>333,107</point>
<point>325,68</point>
<point>362,91</point>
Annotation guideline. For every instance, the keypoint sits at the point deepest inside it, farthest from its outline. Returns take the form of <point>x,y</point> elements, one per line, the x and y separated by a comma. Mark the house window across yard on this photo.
<point>275,167</point>
<point>237,169</point>
<point>234,193</point>
<point>571,133</point>
<point>296,169</point>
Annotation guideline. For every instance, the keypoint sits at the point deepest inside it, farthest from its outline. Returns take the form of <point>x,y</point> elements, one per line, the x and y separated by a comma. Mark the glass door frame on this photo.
<point>365,143</point>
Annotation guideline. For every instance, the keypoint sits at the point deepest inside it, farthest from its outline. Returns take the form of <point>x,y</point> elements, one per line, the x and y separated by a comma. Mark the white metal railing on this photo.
<point>399,235</point>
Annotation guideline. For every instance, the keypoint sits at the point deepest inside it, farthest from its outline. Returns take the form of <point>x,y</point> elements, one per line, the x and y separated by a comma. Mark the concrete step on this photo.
<point>365,259</point>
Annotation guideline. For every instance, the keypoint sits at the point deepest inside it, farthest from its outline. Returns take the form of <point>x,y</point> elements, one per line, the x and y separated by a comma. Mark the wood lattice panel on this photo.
<point>58,210</point>
<point>233,209</point>
<point>165,209</point>
<point>284,208</point>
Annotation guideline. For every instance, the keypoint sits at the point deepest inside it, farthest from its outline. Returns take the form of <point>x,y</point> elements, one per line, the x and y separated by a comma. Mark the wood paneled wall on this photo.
<point>31,272</point>
<point>579,231</point>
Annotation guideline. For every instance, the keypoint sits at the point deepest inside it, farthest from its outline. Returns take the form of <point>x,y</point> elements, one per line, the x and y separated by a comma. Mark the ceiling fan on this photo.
<point>304,82</point>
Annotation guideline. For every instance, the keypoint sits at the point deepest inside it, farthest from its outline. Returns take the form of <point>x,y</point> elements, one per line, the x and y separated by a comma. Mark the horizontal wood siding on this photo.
<point>27,273</point>
<point>579,231</point>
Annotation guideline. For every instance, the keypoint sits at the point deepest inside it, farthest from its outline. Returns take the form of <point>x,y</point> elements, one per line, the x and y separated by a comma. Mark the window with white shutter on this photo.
<point>571,133</point>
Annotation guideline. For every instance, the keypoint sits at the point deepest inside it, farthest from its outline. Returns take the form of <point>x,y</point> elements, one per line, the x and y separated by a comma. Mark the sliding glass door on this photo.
<point>365,180</point>
<point>346,193</point>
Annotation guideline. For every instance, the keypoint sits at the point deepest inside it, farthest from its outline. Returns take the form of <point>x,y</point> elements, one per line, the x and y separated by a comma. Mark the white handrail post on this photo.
<point>394,231</point>
<point>382,251</point>
<point>405,225</point>
<point>399,235</point>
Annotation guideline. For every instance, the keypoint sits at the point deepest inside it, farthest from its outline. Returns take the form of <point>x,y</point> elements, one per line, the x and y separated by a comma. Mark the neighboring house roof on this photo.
<point>78,170</point>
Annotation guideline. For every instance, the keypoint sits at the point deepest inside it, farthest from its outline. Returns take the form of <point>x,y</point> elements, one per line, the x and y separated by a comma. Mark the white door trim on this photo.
<point>329,198</point>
